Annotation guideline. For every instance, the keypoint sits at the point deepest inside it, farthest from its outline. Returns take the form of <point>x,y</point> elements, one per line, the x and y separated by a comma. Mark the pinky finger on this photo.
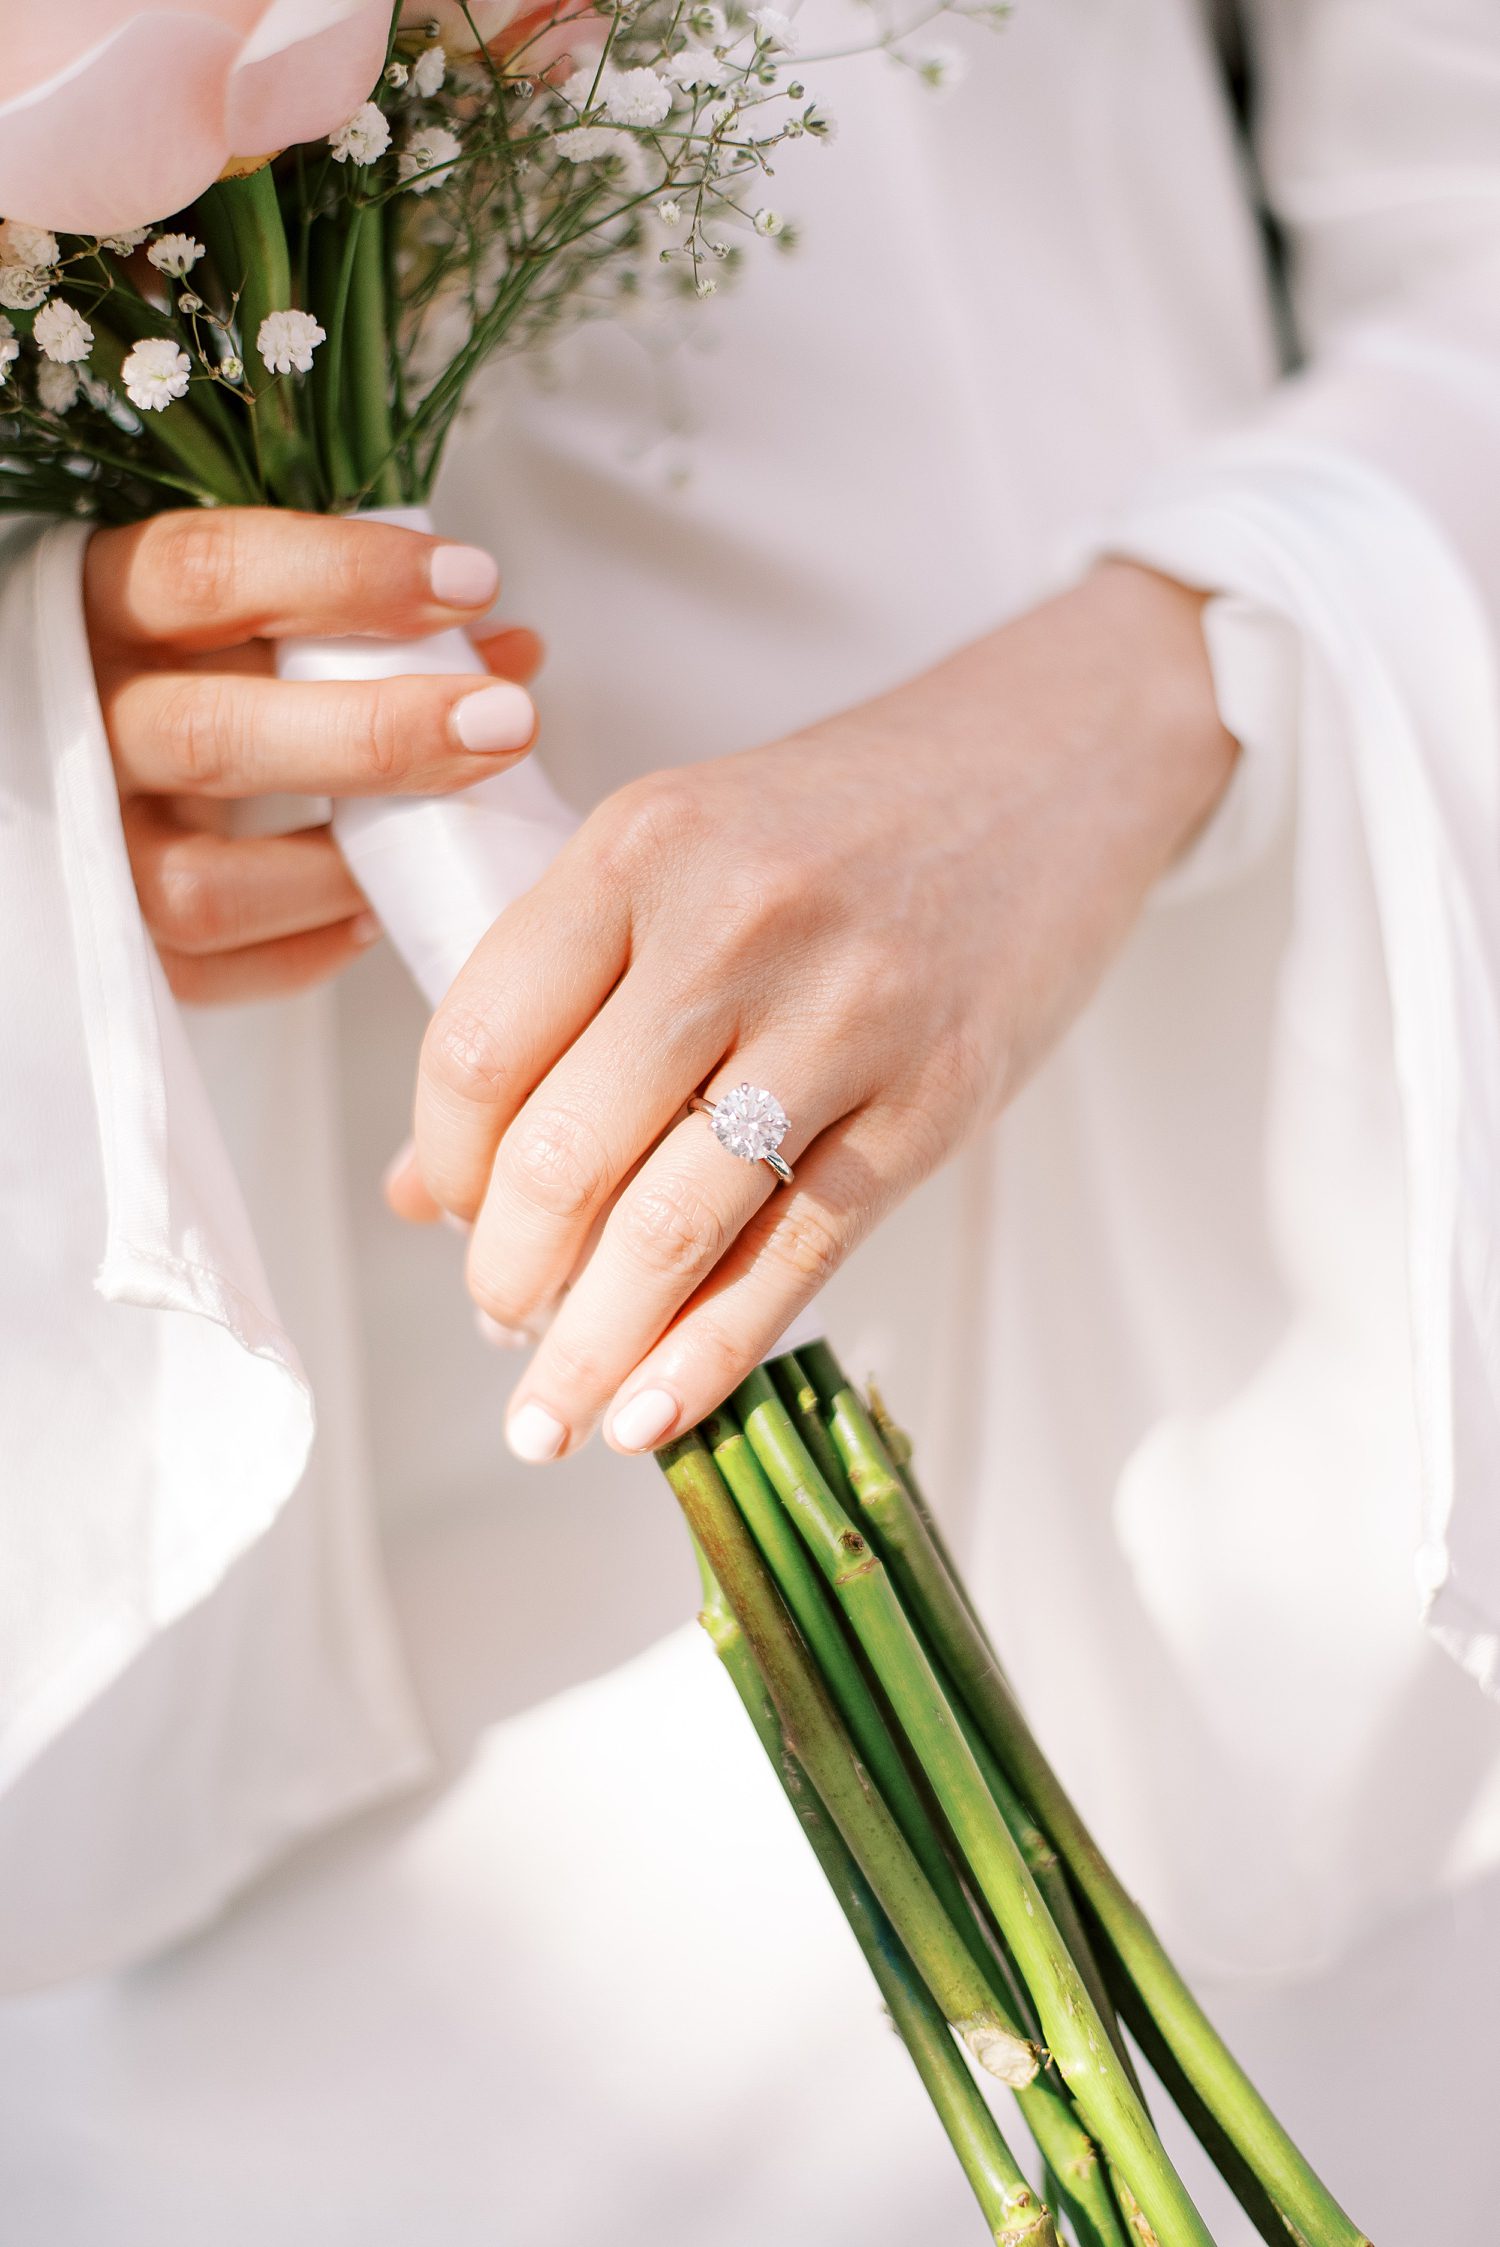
<point>778,1264</point>
<point>268,971</point>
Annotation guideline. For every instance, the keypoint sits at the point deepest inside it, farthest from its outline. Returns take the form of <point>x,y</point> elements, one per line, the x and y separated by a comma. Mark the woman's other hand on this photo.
<point>183,612</point>
<point>885,920</point>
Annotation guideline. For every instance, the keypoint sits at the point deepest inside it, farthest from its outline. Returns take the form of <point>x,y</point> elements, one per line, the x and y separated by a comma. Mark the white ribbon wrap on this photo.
<point>436,869</point>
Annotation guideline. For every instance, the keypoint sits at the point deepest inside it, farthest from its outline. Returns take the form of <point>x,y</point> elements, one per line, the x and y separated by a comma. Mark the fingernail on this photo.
<point>463,577</point>
<point>497,717</point>
<point>644,1420</point>
<point>501,1337</point>
<point>365,929</point>
<point>400,1162</point>
<point>534,1435</point>
<point>457,1224</point>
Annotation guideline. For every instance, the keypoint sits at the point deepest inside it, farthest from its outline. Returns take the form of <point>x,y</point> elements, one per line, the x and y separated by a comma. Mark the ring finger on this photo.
<point>681,1214</point>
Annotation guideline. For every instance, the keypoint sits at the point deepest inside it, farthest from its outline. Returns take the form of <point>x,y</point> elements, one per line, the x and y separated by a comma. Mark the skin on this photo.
<point>182,614</point>
<point>888,919</point>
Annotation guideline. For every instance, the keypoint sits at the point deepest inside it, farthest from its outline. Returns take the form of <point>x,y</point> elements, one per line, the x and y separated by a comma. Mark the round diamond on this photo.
<point>749,1122</point>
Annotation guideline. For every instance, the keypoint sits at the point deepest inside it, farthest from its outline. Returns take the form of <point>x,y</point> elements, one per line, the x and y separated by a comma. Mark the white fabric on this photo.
<point>437,870</point>
<point>1201,1346</point>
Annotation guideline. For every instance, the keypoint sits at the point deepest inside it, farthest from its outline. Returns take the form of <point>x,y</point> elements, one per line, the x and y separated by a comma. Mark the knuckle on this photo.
<point>376,731</point>
<point>577,1369</point>
<point>556,1163</point>
<point>466,1053</point>
<point>195,719</point>
<point>720,1359</point>
<point>672,1230</point>
<point>809,1243</point>
<point>187,908</point>
<point>488,1290</point>
<point>195,554</point>
<point>653,818</point>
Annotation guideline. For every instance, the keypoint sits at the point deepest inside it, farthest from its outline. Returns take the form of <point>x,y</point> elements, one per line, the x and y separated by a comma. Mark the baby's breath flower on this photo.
<point>396,74</point>
<point>121,245</point>
<point>155,372</point>
<point>175,254</point>
<point>362,137</point>
<point>773,29</point>
<point>287,341</point>
<point>769,222</point>
<point>704,284</point>
<point>707,22</point>
<point>26,245</point>
<point>635,97</point>
<point>232,368</point>
<point>425,150</point>
<point>588,144</point>
<point>10,350</point>
<point>22,287</point>
<point>695,68</point>
<point>189,302</point>
<point>429,71</point>
<point>940,68</point>
<point>669,211</point>
<point>57,387</point>
<point>61,333</point>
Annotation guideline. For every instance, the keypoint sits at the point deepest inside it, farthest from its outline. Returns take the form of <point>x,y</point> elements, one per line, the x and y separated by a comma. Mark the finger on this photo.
<point>203,893</point>
<point>514,653</point>
<point>404,1190</point>
<point>209,578</point>
<point>268,971</point>
<point>582,1132</point>
<point>785,1254</point>
<point>528,990</point>
<point>672,1227</point>
<point>190,732</point>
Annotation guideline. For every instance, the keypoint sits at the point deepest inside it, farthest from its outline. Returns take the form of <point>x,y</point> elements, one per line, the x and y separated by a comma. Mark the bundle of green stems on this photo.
<point>1001,1942</point>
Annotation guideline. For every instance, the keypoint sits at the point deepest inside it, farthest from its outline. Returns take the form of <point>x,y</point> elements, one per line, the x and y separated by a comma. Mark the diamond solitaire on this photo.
<point>751,1123</point>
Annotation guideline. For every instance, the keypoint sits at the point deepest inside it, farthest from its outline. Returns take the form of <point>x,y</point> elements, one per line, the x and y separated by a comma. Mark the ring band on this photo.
<point>751,1123</point>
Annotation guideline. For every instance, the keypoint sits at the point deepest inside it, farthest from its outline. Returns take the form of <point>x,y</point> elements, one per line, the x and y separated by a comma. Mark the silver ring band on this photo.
<point>749,1123</point>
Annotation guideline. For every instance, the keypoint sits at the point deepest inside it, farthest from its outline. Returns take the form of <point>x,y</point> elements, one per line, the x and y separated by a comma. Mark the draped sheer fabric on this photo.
<point>1204,1343</point>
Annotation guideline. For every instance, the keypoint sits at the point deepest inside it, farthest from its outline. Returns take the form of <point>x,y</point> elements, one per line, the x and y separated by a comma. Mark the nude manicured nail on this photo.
<point>463,577</point>
<point>534,1435</point>
<point>498,1336</point>
<point>644,1420</point>
<point>497,717</point>
<point>365,929</point>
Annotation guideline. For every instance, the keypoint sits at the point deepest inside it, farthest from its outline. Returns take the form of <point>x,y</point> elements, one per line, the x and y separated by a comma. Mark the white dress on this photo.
<point>1201,1347</point>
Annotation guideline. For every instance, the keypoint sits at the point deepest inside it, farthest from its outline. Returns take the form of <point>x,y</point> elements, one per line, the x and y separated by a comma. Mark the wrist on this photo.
<point>1156,685</point>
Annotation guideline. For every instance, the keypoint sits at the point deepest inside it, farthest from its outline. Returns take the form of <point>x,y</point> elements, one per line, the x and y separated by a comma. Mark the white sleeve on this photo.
<point>1355,529</point>
<point>155,1418</point>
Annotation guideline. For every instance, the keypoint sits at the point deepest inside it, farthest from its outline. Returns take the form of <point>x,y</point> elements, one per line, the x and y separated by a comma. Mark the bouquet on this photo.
<point>254,252</point>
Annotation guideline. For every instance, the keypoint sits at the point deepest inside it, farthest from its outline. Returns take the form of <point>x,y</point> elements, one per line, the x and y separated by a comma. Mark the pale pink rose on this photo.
<point>114,115</point>
<point>539,36</point>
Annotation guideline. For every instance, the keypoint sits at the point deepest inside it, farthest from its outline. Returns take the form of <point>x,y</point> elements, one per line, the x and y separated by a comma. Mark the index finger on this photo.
<point>209,578</point>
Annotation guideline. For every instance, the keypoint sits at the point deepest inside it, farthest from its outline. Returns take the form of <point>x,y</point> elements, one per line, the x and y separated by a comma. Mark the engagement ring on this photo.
<point>751,1123</point>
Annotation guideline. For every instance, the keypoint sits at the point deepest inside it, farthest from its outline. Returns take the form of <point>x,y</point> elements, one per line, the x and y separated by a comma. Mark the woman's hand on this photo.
<point>885,920</point>
<point>182,613</point>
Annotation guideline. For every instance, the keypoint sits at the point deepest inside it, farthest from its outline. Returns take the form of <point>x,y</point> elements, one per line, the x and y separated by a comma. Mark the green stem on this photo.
<point>818,1620</point>
<point>883,1494</point>
<point>181,430</point>
<point>820,1743</point>
<point>1308,2210</point>
<point>1075,2034</point>
<point>1009,2206</point>
<point>367,364</point>
<point>242,224</point>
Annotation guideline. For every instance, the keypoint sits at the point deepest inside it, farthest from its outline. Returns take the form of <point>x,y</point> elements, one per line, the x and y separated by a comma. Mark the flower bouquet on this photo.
<point>254,253</point>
